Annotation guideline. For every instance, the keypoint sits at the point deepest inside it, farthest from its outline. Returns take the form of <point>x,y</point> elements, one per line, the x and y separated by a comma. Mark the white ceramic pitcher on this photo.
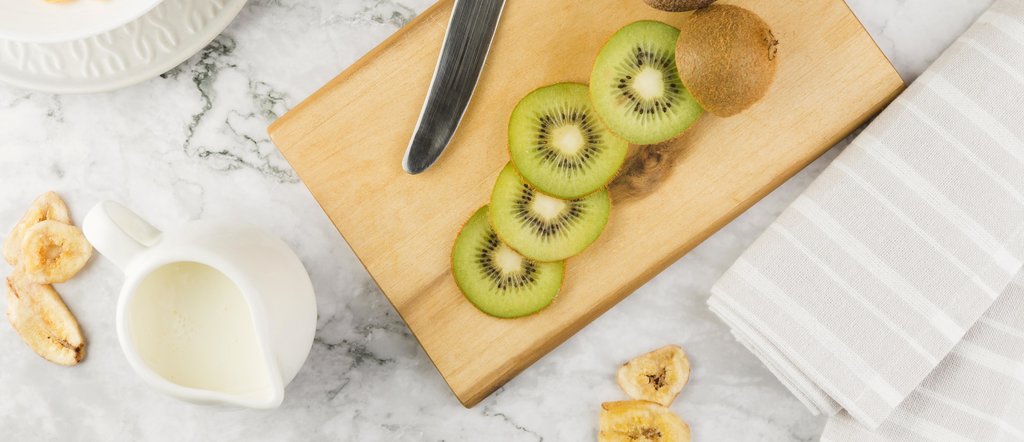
<point>265,270</point>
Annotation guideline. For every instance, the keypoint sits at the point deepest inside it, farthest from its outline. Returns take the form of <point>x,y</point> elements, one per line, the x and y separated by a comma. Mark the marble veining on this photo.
<point>192,143</point>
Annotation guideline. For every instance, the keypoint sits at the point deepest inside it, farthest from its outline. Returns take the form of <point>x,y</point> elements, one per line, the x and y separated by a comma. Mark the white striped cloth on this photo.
<point>975,394</point>
<point>882,296</point>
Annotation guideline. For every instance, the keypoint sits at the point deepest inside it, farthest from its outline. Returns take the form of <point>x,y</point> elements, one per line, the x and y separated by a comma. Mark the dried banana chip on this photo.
<point>640,421</point>
<point>43,321</point>
<point>53,252</point>
<point>657,376</point>
<point>47,206</point>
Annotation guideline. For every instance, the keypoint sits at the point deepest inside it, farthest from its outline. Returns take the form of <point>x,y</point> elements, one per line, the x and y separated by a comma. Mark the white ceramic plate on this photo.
<point>161,39</point>
<point>39,21</point>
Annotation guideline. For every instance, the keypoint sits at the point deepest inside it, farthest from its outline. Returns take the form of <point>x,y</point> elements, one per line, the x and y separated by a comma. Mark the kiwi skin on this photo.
<point>726,57</point>
<point>678,5</point>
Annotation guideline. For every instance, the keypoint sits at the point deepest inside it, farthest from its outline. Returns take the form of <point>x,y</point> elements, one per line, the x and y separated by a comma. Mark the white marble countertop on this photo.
<point>193,144</point>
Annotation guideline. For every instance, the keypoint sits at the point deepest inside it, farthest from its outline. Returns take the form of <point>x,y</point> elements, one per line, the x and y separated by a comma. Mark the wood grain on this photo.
<point>346,141</point>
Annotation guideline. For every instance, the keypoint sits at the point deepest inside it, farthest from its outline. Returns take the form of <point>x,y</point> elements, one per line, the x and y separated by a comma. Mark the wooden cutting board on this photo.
<point>346,142</point>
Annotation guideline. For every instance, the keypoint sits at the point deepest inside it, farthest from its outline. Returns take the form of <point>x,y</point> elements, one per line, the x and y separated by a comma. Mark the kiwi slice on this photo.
<point>726,56</point>
<point>678,5</point>
<point>498,280</point>
<point>636,88</point>
<point>560,145</point>
<point>543,227</point>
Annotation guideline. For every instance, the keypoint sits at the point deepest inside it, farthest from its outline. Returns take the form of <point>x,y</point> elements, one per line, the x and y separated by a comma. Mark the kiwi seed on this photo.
<point>543,227</point>
<point>635,87</point>
<point>560,145</point>
<point>498,280</point>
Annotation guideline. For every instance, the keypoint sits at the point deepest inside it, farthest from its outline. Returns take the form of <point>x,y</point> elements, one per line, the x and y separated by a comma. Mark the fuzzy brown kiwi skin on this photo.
<point>678,5</point>
<point>644,170</point>
<point>726,56</point>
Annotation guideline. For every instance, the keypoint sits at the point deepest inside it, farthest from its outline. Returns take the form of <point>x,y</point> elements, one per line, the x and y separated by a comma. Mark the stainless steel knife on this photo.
<point>463,52</point>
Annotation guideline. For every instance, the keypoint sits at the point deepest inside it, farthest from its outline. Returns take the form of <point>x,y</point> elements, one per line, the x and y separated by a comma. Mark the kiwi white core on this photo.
<point>547,207</point>
<point>507,259</point>
<point>649,83</point>
<point>567,139</point>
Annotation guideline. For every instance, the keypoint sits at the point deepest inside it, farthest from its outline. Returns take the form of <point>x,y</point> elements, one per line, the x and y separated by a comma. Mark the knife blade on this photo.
<point>466,43</point>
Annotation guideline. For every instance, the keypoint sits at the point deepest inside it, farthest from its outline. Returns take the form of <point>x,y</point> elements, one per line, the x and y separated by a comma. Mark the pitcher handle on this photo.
<point>118,233</point>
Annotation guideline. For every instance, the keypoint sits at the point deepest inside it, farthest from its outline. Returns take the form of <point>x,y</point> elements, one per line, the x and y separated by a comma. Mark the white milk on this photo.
<point>191,325</point>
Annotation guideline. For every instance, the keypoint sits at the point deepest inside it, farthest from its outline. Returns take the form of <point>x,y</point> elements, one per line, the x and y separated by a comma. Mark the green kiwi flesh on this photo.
<point>498,280</point>
<point>635,86</point>
<point>560,145</point>
<point>543,227</point>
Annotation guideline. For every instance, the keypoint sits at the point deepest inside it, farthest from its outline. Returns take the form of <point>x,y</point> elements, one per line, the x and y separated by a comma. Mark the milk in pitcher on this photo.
<point>192,326</point>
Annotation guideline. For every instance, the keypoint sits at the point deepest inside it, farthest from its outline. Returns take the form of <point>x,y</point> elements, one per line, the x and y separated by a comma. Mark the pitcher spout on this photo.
<point>198,330</point>
<point>211,313</point>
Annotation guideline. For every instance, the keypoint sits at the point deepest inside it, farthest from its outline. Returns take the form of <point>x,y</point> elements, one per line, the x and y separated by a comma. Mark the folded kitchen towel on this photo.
<point>975,394</point>
<point>884,273</point>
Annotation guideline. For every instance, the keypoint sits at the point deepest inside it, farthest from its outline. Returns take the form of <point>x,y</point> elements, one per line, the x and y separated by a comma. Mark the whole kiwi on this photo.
<point>678,5</point>
<point>726,56</point>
